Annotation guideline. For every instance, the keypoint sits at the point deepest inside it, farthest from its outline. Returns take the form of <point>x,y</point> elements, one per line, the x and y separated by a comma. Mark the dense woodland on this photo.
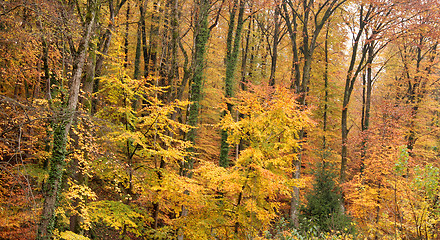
<point>219,119</point>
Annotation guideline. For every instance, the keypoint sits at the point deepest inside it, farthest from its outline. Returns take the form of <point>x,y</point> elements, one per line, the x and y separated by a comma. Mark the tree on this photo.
<point>201,35</point>
<point>63,123</point>
<point>271,127</point>
<point>323,203</point>
<point>233,45</point>
<point>303,11</point>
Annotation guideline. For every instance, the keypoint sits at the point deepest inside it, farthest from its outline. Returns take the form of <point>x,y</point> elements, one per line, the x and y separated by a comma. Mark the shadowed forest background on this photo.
<point>219,119</point>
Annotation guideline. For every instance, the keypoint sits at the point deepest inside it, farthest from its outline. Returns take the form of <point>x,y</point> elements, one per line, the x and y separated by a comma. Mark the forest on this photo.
<point>219,119</point>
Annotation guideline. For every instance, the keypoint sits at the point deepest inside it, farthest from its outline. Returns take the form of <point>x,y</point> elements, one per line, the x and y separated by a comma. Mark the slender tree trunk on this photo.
<point>153,48</point>
<point>231,63</point>
<point>137,58</point>
<point>143,9</point>
<point>276,40</point>
<point>244,58</point>
<point>366,103</point>
<point>62,127</point>
<point>244,74</point>
<point>186,73</point>
<point>201,39</point>
<point>174,45</point>
<point>325,118</point>
<point>46,77</point>
<point>103,47</point>
<point>127,18</point>
<point>351,77</point>
<point>295,76</point>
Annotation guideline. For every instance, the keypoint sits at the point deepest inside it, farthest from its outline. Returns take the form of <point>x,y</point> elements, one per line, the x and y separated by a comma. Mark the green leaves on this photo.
<point>426,180</point>
<point>401,165</point>
<point>116,215</point>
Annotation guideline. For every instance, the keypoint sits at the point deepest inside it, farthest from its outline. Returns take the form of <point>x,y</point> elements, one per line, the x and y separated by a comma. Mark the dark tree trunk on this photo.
<point>127,18</point>
<point>137,58</point>
<point>153,48</point>
<point>201,39</point>
<point>276,40</point>
<point>351,77</point>
<point>46,77</point>
<point>325,117</point>
<point>366,103</point>
<point>295,76</point>
<point>143,9</point>
<point>174,45</point>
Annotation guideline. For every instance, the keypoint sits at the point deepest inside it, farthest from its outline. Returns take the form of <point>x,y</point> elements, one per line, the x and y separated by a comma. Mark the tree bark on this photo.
<point>231,63</point>
<point>325,117</point>
<point>309,42</point>
<point>64,121</point>
<point>174,45</point>
<point>137,58</point>
<point>127,18</point>
<point>201,39</point>
<point>103,48</point>
<point>295,76</point>
<point>366,103</point>
<point>351,77</point>
<point>151,63</point>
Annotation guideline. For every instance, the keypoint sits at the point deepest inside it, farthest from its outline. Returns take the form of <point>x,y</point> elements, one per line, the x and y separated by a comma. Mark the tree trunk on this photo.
<point>231,63</point>
<point>127,18</point>
<point>103,48</point>
<point>174,45</point>
<point>64,121</point>
<point>89,77</point>
<point>200,41</point>
<point>46,77</point>
<point>143,9</point>
<point>244,58</point>
<point>151,63</point>
<point>325,118</point>
<point>308,46</point>
<point>366,103</point>
<point>137,58</point>
<point>351,77</point>
<point>295,76</point>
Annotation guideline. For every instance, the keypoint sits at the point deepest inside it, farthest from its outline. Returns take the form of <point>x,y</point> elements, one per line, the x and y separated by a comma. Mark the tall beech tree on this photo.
<point>201,36</point>
<point>104,44</point>
<point>371,34</point>
<point>232,47</point>
<point>354,69</point>
<point>111,111</point>
<point>63,122</point>
<point>312,19</point>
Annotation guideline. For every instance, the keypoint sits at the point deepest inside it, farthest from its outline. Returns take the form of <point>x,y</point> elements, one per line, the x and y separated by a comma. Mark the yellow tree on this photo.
<point>270,129</point>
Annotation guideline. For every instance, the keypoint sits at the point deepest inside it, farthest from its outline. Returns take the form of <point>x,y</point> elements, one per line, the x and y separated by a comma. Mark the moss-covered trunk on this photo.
<point>200,41</point>
<point>231,63</point>
<point>63,122</point>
